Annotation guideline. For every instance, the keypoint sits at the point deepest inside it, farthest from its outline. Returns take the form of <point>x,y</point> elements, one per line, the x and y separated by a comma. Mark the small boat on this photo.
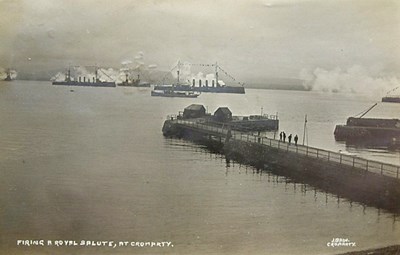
<point>172,93</point>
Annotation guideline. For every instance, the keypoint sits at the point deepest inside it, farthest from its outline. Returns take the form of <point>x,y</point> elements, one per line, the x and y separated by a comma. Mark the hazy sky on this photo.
<point>252,39</point>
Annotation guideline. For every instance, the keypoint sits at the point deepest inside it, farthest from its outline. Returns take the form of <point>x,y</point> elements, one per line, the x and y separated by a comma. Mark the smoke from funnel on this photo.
<point>186,74</point>
<point>102,73</point>
<point>355,79</point>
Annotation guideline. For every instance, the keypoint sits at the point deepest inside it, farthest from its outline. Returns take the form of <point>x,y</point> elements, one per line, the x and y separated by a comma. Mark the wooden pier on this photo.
<point>370,182</point>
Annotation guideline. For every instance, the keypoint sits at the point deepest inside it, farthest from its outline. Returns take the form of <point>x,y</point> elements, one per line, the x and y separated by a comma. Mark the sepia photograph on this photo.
<point>186,127</point>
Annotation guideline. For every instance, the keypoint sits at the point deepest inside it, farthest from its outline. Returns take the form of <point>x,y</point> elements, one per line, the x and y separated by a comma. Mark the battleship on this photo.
<point>214,87</point>
<point>95,82</point>
<point>133,82</point>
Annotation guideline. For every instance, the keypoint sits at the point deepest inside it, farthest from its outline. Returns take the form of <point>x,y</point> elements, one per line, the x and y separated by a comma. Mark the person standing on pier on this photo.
<point>290,138</point>
<point>296,138</point>
<point>280,136</point>
<point>284,136</point>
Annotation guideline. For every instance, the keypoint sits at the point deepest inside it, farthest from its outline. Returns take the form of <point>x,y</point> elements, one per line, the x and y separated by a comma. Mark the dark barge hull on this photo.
<point>369,131</point>
<point>85,84</point>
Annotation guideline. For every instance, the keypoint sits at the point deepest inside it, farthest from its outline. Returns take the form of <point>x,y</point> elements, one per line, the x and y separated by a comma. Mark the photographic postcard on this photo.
<point>199,127</point>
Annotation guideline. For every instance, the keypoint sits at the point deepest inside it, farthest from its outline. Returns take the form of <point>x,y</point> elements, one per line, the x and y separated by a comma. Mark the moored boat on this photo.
<point>369,131</point>
<point>172,93</point>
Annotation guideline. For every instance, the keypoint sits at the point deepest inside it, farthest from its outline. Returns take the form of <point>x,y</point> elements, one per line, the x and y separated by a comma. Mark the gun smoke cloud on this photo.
<point>4,71</point>
<point>356,79</point>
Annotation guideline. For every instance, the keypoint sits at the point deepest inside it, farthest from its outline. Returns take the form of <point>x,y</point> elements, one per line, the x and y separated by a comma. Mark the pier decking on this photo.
<point>372,166</point>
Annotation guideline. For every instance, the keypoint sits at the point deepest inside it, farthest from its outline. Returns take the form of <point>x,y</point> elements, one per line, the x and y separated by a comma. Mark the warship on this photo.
<point>95,82</point>
<point>214,87</point>
<point>133,82</point>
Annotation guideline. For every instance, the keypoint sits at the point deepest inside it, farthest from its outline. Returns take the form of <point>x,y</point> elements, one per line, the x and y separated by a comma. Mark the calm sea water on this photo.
<point>92,164</point>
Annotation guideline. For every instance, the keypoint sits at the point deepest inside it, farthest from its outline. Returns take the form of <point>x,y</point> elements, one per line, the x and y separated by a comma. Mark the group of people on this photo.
<point>282,137</point>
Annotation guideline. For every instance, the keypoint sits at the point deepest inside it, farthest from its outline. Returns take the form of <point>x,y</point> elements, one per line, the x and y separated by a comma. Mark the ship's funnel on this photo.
<point>84,79</point>
<point>199,83</point>
<point>213,83</point>
<point>79,78</point>
<point>194,82</point>
<point>206,83</point>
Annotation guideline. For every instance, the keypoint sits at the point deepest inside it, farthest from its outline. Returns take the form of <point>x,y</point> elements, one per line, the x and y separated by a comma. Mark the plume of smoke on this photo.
<point>186,74</point>
<point>104,74</point>
<point>108,74</point>
<point>355,79</point>
<point>126,62</point>
<point>3,73</point>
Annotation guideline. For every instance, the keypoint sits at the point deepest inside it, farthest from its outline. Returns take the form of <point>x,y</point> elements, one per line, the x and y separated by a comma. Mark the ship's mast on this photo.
<point>216,74</point>
<point>369,109</point>
<point>96,73</point>
<point>179,66</point>
<point>68,76</point>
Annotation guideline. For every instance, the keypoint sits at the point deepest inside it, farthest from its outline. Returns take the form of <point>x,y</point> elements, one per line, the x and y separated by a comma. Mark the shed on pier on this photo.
<point>223,114</point>
<point>194,111</point>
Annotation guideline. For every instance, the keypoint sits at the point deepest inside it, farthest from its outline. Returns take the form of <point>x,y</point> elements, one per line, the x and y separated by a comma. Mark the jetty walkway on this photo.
<point>330,157</point>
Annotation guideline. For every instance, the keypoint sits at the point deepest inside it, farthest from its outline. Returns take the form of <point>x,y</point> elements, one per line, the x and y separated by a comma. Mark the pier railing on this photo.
<point>307,151</point>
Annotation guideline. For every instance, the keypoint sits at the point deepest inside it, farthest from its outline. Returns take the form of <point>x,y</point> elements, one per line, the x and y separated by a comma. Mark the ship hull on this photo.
<point>224,89</point>
<point>369,131</point>
<point>391,99</point>
<point>85,84</point>
<point>172,94</point>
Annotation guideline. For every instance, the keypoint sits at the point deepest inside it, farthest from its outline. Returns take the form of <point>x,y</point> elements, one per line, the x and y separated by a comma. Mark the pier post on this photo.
<point>340,160</point>
<point>307,151</point>
<point>366,168</point>
<point>397,175</point>
<point>317,153</point>
<point>353,161</point>
<point>381,168</point>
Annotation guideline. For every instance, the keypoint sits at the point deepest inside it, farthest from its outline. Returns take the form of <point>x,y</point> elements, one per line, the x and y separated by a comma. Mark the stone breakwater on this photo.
<point>354,184</point>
